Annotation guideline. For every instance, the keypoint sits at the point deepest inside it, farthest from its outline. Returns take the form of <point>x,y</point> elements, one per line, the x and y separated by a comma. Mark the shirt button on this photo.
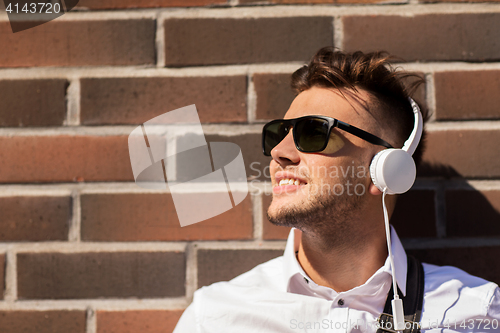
<point>340,302</point>
<point>307,281</point>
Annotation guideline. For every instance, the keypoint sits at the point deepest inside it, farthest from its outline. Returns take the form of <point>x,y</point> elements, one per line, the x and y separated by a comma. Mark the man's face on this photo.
<point>329,186</point>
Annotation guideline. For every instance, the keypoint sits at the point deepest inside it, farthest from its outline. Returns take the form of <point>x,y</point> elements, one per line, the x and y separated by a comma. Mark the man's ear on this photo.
<point>373,190</point>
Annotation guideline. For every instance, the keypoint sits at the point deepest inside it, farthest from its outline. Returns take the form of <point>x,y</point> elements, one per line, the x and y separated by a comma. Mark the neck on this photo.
<point>345,265</point>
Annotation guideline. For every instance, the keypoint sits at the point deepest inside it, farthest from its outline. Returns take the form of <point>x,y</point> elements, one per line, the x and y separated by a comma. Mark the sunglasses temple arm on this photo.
<point>363,134</point>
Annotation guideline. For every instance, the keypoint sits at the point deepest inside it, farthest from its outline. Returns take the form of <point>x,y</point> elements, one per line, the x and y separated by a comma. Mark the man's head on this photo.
<point>334,185</point>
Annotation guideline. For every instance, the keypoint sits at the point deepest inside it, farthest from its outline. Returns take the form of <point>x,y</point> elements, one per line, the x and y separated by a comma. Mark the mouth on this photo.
<point>290,181</point>
<point>287,184</point>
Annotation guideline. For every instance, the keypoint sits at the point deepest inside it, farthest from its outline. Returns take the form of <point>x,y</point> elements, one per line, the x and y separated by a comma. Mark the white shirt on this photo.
<point>278,296</point>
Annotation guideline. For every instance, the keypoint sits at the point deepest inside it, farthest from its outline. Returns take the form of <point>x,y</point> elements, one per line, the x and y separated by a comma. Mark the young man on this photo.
<point>336,274</point>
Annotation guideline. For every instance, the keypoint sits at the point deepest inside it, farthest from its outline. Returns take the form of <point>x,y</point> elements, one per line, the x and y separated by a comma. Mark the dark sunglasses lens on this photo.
<point>311,134</point>
<point>273,133</point>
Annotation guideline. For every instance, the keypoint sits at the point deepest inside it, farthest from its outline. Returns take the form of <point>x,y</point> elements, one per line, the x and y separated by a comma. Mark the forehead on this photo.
<point>345,105</point>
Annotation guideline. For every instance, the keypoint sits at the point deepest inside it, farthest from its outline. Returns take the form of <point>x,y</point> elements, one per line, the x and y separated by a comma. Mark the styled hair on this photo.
<point>372,72</point>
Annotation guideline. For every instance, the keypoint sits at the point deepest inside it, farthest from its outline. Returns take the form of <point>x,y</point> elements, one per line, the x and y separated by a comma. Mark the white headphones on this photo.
<point>394,169</point>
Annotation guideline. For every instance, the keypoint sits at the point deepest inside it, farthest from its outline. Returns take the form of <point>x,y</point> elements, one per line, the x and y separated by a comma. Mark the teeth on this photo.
<point>289,181</point>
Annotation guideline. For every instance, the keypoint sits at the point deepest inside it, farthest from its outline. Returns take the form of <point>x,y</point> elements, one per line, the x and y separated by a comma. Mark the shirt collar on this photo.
<point>292,266</point>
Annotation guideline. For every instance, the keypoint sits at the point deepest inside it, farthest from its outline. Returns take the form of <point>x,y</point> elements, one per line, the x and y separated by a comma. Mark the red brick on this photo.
<point>34,218</point>
<point>241,41</point>
<point>121,4</point>
<point>146,321</point>
<point>474,260</point>
<point>57,321</point>
<point>27,159</point>
<point>274,95</point>
<point>32,102</point>
<point>136,100</point>
<point>149,217</point>
<point>223,265</point>
<point>100,274</point>
<point>462,153</point>
<point>2,275</point>
<point>438,1</point>
<point>269,230</point>
<point>311,1</point>
<point>442,37</point>
<point>80,43</point>
<point>467,95</point>
<point>415,214</point>
<point>471,213</point>
<point>256,164</point>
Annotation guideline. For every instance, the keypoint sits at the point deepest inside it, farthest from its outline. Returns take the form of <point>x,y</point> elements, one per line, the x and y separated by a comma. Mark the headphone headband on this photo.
<point>412,142</point>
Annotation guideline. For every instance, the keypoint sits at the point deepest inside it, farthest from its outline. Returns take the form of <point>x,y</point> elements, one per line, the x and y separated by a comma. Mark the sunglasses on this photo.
<point>310,133</point>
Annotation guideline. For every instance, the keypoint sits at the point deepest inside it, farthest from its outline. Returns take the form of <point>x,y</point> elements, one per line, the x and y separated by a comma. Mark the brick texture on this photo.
<point>136,100</point>
<point>2,275</point>
<point>304,2</point>
<point>274,95</point>
<point>150,321</point>
<point>471,213</point>
<point>34,218</point>
<point>80,43</point>
<point>223,265</point>
<point>256,164</point>
<point>269,230</point>
<point>474,260</point>
<point>64,158</point>
<point>42,321</point>
<point>96,275</point>
<point>467,95</point>
<point>241,41</point>
<point>149,217</point>
<point>441,37</point>
<point>413,217</point>
<point>32,102</point>
<point>415,214</point>
<point>121,4</point>
<point>455,153</point>
<point>437,1</point>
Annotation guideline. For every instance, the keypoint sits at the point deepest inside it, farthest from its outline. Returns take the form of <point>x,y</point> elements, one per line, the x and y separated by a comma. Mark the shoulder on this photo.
<point>450,291</point>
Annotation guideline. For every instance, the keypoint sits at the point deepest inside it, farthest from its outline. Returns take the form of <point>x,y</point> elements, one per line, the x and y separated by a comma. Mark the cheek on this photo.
<point>335,143</point>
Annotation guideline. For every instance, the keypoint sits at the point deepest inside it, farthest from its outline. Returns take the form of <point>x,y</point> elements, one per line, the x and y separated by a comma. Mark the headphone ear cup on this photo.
<point>393,169</point>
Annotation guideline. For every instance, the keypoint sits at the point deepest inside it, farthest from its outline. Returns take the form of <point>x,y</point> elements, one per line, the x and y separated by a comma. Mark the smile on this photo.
<point>290,181</point>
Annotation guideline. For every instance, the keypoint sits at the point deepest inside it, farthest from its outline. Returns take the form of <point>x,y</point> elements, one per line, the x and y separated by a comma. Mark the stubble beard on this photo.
<point>324,214</point>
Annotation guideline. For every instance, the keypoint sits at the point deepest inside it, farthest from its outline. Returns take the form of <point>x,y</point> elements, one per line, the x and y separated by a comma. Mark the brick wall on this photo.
<point>83,249</point>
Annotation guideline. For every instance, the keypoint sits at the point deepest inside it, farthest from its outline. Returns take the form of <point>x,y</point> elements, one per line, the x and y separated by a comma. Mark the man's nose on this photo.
<point>285,153</point>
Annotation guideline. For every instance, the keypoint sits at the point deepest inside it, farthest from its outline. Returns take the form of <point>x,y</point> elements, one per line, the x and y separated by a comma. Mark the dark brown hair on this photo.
<point>373,72</point>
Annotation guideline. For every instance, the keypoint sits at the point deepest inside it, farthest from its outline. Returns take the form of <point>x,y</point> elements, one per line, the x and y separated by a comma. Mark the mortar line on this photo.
<point>10,276</point>
<point>74,234</point>
<point>160,42</point>
<point>251,100</point>
<point>73,99</point>
<point>191,271</point>
<point>430,92</point>
<point>231,11</point>
<point>70,73</point>
<point>91,320</point>
<point>338,32</point>
<point>258,228</point>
